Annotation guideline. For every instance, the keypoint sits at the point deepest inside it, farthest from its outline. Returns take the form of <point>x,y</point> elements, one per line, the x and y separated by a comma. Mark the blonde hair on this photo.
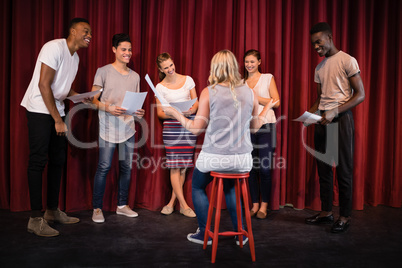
<point>224,68</point>
<point>161,58</point>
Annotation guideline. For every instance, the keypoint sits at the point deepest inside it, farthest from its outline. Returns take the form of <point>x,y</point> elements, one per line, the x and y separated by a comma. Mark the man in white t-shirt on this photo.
<point>55,71</point>
<point>340,88</point>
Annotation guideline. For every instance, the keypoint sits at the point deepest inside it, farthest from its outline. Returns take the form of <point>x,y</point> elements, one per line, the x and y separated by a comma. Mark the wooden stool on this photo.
<point>240,187</point>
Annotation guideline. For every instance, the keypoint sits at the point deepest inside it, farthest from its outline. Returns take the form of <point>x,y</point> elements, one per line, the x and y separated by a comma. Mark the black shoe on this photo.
<point>316,219</point>
<point>340,226</point>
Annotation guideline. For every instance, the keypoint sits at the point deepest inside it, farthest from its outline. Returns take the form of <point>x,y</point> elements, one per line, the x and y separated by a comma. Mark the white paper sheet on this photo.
<point>151,85</point>
<point>308,118</point>
<point>83,96</point>
<point>183,106</point>
<point>133,101</point>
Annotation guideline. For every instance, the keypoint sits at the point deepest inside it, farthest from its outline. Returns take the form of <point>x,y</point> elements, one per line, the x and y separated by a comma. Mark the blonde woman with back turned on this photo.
<point>228,110</point>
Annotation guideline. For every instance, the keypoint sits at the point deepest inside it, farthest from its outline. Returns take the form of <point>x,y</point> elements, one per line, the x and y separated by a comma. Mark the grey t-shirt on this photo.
<point>115,129</point>
<point>333,74</point>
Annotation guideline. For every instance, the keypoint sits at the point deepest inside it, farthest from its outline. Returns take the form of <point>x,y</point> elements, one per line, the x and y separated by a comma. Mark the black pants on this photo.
<point>260,180</point>
<point>45,147</point>
<point>335,142</point>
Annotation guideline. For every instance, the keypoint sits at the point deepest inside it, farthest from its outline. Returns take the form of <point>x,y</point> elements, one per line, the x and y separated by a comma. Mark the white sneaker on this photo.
<point>245,240</point>
<point>97,216</point>
<point>126,211</point>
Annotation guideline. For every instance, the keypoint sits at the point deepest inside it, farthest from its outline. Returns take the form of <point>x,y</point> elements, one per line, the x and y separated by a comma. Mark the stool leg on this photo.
<point>217,220</point>
<point>238,213</point>
<point>210,211</point>
<point>248,219</point>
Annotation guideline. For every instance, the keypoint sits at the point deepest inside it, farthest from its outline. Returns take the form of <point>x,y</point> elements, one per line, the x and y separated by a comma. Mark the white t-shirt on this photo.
<point>115,129</point>
<point>333,74</point>
<point>177,95</point>
<point>262,90</point>
<point>57,56</point>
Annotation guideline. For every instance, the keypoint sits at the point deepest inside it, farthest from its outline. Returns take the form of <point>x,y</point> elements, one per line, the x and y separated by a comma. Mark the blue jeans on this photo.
<point>260,181</point>
<point>106,151</point>
<point>200,199</point>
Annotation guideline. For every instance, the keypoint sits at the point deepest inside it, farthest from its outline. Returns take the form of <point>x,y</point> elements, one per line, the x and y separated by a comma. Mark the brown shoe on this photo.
<point>252,213</point>
<point>59,216</point>
<point>261,215</point>
<point>188,212</point>
<point>166,210</point>
<point>40,227</point>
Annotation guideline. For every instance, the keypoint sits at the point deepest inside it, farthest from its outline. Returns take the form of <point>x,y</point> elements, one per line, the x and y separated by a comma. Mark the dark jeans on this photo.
<point>336,141</point>
<point>106,152</point>
<point>200,199</point>
<point>260,181</point>
<point>45,147</point>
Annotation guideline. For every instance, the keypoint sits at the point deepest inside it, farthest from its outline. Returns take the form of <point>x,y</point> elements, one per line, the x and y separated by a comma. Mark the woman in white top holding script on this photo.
<point>179,142</point>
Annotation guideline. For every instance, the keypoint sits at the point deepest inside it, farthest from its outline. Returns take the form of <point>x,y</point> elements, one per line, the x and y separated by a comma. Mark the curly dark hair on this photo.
<point>321,27</point>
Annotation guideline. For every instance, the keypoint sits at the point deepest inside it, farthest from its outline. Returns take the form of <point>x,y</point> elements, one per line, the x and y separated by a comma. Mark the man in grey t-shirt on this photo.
<point>116,127</point>
<point>339,88</point>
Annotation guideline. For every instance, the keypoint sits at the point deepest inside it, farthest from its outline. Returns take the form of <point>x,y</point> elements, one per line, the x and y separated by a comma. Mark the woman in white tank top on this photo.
<point>264,141</point>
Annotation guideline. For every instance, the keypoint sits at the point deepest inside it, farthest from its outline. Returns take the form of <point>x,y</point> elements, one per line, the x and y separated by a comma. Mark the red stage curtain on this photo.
<point>192,32</point>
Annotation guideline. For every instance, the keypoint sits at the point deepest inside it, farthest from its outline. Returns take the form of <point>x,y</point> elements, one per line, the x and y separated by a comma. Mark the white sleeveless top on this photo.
<point>262,90</point>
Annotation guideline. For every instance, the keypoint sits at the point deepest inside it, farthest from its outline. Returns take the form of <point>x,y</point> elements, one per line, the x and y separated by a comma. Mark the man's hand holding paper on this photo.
<point>133,102</point>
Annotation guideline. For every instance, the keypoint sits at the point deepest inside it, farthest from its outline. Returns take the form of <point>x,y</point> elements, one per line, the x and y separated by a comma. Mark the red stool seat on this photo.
<point>217,190</point>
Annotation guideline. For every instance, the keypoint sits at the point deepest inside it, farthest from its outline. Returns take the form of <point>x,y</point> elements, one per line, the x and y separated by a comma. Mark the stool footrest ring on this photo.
<point>228,233</point>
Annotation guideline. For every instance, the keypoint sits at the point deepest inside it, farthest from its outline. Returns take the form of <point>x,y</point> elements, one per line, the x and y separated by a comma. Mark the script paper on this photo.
<point>308,118</point>
<point>83,96</point>
<point>133,101</point>
<point>160,98</point>
<point>184,105</point>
